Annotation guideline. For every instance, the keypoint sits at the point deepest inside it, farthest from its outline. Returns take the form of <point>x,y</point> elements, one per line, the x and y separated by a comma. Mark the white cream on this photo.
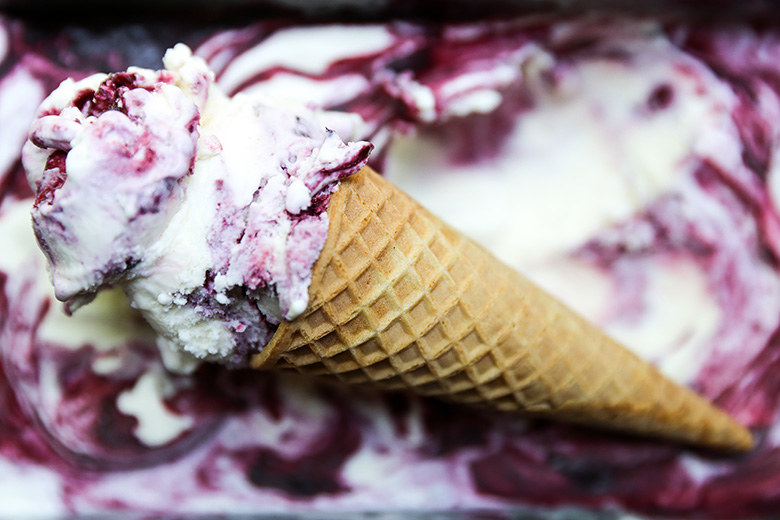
<point>108,322</point>
<point>580,285</point>
<point>305,90</point>
<point>17,243</point>
<point>678,319</point>
<point>20,95</point>
<point>157,425</point>
<point>589,154</point>
<point>310,50</point>
<point>22,486</point>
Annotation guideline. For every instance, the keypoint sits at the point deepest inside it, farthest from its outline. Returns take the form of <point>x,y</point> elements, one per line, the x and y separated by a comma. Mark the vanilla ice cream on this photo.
<point>210,211</point>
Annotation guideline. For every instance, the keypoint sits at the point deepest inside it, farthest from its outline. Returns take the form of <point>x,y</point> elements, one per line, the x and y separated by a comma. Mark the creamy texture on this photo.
<point>22,95</point>
<point>629,156</point>
<point>629,167</point>
<point>211,210</point>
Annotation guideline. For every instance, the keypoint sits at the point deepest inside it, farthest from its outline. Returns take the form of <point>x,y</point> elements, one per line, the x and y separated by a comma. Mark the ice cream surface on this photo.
<point>210,211</point>
<point>629,166</point>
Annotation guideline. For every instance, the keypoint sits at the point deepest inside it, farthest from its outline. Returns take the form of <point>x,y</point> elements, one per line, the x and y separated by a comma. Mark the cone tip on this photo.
<point>742,440</point>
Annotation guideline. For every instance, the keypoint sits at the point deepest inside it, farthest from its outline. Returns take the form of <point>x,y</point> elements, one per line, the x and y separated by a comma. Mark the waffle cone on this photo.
<point>399,299</point>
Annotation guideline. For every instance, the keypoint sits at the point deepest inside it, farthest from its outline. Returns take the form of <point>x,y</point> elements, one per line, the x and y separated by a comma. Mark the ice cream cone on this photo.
<point>401,300</point>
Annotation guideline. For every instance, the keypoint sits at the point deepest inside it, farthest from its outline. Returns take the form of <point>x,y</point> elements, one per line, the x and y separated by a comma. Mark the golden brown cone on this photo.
<point>401,300</point>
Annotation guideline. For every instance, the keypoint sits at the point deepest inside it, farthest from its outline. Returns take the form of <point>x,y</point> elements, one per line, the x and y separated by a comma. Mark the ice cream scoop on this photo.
<point>209,211</point>
<point>245,234</point>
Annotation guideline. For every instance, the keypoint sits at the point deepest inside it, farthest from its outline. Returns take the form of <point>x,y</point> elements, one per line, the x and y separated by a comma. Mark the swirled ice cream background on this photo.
<point>627,166</point>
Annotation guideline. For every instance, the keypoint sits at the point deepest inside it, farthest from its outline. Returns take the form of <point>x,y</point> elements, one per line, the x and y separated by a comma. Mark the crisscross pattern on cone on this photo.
<point>401,300</point>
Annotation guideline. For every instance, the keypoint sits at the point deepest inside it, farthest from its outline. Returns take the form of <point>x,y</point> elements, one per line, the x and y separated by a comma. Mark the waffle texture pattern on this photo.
<point>401,300</point>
